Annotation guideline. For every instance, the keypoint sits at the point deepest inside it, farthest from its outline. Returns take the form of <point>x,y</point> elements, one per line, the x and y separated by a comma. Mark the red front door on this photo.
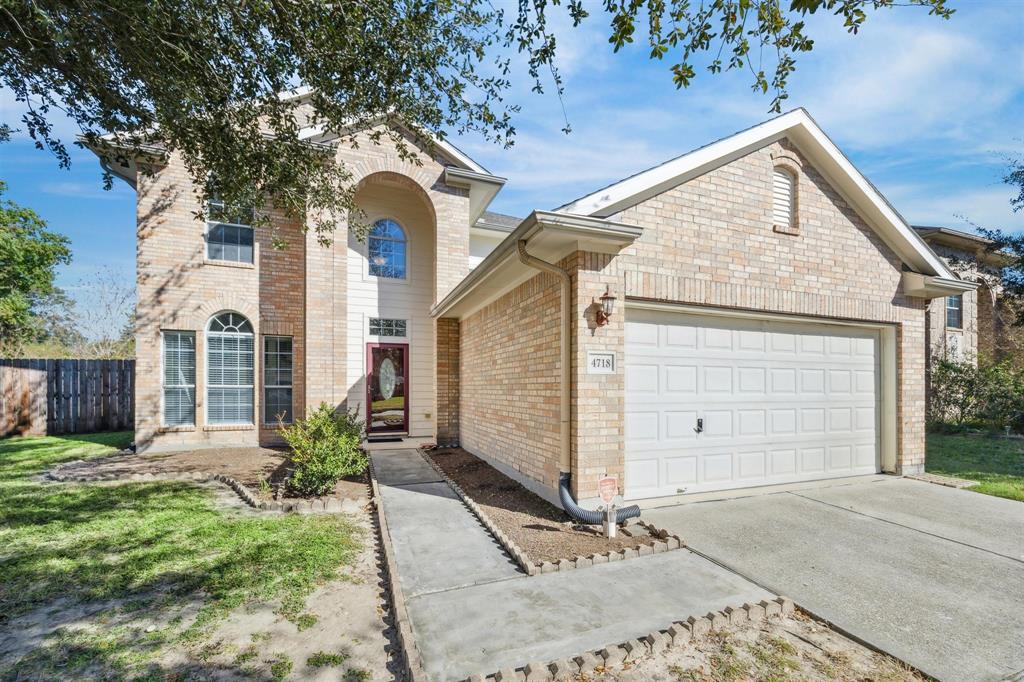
<point>387,388</point>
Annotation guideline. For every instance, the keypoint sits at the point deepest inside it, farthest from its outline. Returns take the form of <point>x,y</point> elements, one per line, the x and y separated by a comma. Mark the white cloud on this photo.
<point>908,78</point>
<point>81,190</point>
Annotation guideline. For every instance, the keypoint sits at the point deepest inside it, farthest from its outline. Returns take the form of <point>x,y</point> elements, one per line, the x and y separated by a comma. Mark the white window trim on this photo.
<point>256,404</point>
<point>290,386</point>
<point>163,385</point>
<point>363,249</point>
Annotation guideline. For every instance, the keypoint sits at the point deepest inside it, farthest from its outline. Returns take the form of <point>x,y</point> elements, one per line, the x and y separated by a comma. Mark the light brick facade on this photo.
<point>494,376</point>
<point>509,380</point>
<point>301,291</point>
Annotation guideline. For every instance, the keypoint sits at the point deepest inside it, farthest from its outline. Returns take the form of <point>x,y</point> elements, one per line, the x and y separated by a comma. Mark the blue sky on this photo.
<point>927,109</point>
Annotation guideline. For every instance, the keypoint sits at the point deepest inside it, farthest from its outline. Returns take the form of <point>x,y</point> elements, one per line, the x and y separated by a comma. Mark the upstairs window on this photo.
<point>955,312</point>
<point>229,233</point>
<point>387,250</point>
<point>229,363</point>
<point>784,200</point>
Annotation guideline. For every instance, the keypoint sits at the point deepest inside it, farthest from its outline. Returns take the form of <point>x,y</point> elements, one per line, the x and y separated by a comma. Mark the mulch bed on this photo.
<point>543,531</point>
<point>248,466</point>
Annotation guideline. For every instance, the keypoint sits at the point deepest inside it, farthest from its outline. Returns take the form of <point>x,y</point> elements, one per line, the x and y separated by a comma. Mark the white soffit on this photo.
<point>826,157</point>
<point>550,237</point>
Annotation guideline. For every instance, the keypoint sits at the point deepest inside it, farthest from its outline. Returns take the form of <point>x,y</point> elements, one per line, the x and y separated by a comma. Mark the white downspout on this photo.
<point>565,461</point>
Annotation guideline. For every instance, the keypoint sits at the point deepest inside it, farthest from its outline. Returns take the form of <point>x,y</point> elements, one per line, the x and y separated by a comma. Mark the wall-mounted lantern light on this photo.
<point>607,307</point>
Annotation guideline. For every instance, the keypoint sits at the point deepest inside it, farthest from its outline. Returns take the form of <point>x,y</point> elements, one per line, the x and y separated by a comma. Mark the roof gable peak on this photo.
<point>802,130</point>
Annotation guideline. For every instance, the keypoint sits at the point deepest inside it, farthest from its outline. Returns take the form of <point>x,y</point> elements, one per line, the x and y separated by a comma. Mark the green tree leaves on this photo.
<point>202,79</point>
<point>29,255</point>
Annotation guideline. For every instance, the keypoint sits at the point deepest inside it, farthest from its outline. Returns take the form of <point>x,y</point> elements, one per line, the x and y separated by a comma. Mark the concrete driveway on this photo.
<point>931,575</point>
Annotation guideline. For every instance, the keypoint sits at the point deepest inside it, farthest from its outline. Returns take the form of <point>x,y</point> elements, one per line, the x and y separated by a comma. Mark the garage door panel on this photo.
<point>680,379</point>
<point>780,402</point>
<point>681,471</point>
<point>678,426</point>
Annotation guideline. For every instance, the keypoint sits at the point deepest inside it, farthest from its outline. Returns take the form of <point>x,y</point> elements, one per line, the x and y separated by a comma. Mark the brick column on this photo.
<point>597,428</point>
<point>447,381</point>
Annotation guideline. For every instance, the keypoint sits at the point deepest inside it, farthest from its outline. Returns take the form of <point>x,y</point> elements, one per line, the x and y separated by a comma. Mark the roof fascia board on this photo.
<point>595,232</point>
<point>649,183</point>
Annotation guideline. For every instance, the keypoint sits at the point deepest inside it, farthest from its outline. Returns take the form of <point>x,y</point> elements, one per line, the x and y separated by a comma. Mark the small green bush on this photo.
<point>325,449</point>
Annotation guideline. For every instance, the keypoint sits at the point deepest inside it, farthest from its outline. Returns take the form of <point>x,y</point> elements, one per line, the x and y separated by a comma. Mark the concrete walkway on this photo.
<point>424,515</point>
<point>932,575</point>
<point>473,611</point>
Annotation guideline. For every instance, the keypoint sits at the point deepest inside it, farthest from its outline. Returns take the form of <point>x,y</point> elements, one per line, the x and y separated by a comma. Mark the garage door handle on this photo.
<point>700,426</point>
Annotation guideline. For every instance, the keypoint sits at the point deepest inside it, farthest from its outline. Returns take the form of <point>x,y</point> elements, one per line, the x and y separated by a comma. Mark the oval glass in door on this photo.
<point>386,388</point>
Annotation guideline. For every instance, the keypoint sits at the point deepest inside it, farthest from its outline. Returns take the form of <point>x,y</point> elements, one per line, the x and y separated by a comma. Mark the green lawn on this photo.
<point>140,548</point>
<point>997,464</point>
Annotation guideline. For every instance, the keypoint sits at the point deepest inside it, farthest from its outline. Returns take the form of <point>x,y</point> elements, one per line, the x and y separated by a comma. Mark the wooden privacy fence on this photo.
<point>56,397</point>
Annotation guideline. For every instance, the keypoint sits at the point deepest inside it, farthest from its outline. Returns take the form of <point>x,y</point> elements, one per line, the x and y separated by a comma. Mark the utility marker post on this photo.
<point>608,487</point>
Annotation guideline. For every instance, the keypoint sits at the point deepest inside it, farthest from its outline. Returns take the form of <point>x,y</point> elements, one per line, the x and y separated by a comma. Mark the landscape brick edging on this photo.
<point>331,505</point>
<point>678,634</point>
<point>403,627</point>
<point>664,541</point>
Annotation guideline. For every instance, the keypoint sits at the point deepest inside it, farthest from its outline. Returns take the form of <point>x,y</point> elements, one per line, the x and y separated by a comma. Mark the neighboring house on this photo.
<point>968,325</point>
<point>766,326</point>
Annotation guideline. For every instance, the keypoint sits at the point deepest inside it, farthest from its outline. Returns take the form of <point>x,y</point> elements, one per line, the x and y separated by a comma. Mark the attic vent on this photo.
<point>784,200</point>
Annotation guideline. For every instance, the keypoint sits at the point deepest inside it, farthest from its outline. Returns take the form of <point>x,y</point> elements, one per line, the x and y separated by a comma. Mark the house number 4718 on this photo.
<point>600,362</point>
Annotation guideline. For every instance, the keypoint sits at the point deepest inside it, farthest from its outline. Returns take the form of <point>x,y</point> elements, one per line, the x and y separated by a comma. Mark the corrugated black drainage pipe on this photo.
<point>588,516</point>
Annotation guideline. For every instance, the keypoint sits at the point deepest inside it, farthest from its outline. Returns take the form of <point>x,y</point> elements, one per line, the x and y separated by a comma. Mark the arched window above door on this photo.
<point>387,250</point>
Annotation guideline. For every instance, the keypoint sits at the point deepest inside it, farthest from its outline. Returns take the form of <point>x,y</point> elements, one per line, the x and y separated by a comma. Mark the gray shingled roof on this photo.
<point>927,230</point>
<point>489,220</point>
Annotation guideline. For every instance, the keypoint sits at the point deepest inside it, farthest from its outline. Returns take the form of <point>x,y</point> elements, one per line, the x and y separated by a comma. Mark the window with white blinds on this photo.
<point>229,370</point>
<point>179,378</point>
<point>277,379</point>
<point>783,198</point>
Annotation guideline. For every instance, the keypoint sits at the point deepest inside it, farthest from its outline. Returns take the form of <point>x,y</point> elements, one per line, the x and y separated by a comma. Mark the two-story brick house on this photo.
<point>969,325</point>
<point>751,313</point>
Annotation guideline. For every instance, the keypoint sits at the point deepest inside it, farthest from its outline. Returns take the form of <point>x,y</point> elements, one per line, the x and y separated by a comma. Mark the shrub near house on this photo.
<point>987,395</point>
<point>325,449</point>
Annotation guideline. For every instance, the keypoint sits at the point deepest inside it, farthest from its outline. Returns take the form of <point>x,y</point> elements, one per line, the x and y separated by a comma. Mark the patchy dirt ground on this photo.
<point>539,528</point>
<point>794,648</point>
<point>344,632</point>
<point>253,467</point>
<point>346,636</point>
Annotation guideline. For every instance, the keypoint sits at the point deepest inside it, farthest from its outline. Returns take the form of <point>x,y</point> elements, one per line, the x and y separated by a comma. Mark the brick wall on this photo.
<point>448,380</point>
<point>598,433</point>
<point>282,307</point>
<point>177,289</point>
<point>509,387</point>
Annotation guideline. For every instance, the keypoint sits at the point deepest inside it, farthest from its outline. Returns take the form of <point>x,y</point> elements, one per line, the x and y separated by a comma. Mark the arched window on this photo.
<point>784,199</point>
<point>229,369</point>
<point>387,250</point>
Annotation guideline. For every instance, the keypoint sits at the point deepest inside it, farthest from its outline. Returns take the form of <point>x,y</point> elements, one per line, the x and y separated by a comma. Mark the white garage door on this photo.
<point>714,402</point>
